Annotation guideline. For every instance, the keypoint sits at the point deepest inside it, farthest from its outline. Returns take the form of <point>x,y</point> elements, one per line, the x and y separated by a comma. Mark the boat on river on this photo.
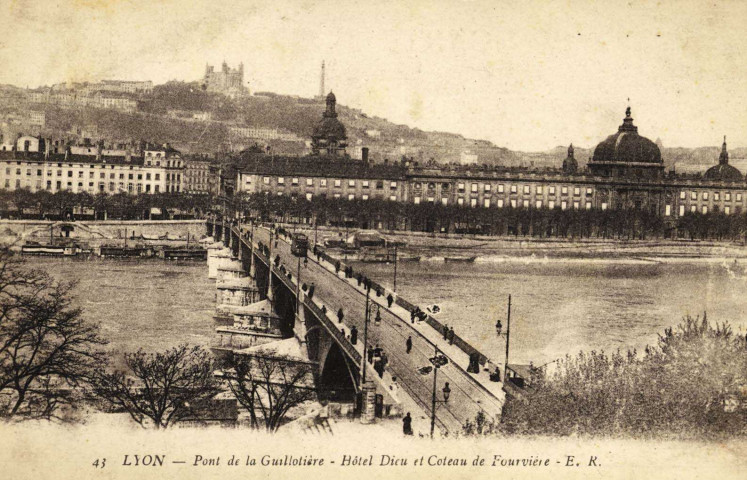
<point>125,252</point>
<point>33,248</point>
<point>460,259</point>
<point>185,254</point>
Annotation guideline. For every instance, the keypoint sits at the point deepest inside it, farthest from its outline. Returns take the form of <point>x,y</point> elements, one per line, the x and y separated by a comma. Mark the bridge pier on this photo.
<point>317,331</point>
<point>368,407</point>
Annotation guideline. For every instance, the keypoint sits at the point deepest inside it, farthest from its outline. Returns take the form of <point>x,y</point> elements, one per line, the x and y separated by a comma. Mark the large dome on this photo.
<point>330,127</point>
<point>723,171</point>
<point>626,146</point>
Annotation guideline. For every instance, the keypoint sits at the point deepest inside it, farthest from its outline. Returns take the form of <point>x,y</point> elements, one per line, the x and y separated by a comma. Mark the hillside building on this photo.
<point>228,81</point>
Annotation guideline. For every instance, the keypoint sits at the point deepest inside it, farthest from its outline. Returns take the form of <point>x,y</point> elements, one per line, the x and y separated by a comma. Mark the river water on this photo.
<point>563,306</point>
<point>559,307</point>
<point>150,303</point>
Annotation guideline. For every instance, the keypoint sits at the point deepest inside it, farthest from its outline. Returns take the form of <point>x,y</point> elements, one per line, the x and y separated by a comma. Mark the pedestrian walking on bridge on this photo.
<point>408,344</point>
<point>389,300</point>
<point>340,315</point>
<point>407,424</point>
<point>354,335</point>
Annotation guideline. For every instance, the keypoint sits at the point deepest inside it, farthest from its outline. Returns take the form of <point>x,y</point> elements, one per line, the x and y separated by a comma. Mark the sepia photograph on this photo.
<point>373,239</point>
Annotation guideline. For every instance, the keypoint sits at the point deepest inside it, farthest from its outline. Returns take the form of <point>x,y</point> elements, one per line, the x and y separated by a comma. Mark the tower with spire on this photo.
<point>570,164</point>
<point>321,83</point>
<point>329,137</point>
<point>723,158</point>
<point>723,171</point>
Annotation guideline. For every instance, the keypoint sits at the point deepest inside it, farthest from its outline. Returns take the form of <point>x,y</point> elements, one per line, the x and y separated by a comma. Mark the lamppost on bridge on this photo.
<point>269,269</point>
<point>298,287</point>
<point>365,332</point>
<point>438,361</point>
<point>363,389</point>
<point>395,268</point>
<point>499,328</point>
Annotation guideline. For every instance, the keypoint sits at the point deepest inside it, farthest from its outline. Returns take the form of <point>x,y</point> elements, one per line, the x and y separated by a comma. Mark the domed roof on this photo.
<point>723,171</point>
<point>626,146</point>
<point>329,127</point>
<point>570,164</point>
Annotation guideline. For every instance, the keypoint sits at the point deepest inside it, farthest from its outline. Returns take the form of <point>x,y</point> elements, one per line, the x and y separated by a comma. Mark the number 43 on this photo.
<point>99,463</point>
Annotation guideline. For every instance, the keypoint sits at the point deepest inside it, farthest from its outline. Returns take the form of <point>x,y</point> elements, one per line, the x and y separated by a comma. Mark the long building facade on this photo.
<point>626,172</point>
<point>36,164</point>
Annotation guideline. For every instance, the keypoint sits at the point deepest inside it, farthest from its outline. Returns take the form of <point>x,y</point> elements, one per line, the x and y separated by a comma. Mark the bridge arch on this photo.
<point>336,376</point>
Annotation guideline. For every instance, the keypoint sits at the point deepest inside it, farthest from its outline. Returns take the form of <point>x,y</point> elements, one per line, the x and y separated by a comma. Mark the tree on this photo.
<point>159,388</point>
<point>269,387</point>
<point>47,351</point>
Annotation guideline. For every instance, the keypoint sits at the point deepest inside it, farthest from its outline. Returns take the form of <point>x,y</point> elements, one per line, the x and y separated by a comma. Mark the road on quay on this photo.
<point>467,396</point>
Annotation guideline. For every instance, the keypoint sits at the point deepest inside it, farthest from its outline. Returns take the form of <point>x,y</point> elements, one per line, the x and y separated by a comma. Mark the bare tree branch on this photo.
<point>47,351</point>
<point>269,387</point>
<point>159,388</point>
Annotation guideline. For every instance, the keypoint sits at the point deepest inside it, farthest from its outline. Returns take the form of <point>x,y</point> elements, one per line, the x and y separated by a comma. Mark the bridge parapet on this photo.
<point>344,343</point>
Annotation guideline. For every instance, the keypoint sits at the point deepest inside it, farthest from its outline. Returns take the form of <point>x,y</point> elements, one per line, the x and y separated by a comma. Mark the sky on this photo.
<point>525,75</point>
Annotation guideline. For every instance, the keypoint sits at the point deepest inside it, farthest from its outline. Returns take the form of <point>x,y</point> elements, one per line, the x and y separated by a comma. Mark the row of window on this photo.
<point>564,205</point>
<point>102,186</point>
<point>514,203</point>
<point>379,184</point>
<point>112,175</point>
<point>706,195</point>
<point>704,209</point>
<point>72,165</point>
<point>350,196</point>
<point>513,188</point>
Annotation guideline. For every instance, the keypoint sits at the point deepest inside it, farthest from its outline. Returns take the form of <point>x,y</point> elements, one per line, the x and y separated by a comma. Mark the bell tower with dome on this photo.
<point>627,154</point>
<point>329,136</point>
<point>723,171</point>
<point>570,164</point>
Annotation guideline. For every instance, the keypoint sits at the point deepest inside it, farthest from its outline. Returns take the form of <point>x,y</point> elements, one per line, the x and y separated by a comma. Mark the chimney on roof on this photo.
<point>364,154</point>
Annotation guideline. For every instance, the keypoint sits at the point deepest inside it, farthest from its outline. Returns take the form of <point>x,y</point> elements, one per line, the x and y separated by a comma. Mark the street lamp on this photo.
<point>438,360</point>
<point>395,268</point>
<point>367,317</point>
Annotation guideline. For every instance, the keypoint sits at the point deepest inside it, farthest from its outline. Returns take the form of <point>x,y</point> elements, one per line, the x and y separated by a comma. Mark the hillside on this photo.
<point>155,122</point>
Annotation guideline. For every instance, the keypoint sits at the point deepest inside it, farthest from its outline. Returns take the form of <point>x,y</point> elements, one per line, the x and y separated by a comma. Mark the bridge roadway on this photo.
<point>467,397</point>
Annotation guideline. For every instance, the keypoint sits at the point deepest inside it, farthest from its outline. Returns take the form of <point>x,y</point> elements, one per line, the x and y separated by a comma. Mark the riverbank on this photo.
<point>436,247</point>
<point>93,234</point>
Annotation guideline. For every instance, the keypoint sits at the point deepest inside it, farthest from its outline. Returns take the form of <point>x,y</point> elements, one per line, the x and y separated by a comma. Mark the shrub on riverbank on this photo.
<point>692,384</point>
